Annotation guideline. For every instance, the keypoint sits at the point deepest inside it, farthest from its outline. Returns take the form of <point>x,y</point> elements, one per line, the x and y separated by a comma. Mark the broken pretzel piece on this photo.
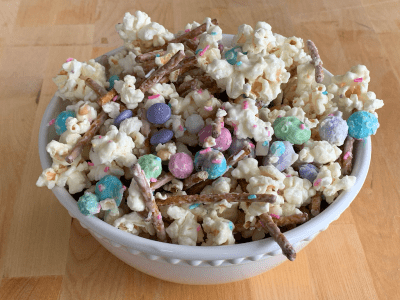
<point>316,61</point>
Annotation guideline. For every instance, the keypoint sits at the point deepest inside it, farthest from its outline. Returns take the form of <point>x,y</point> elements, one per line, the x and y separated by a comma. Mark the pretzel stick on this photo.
<point>97,88</point>
<point>149,56</point>
<point>347,157</point>
<point>162,181</point>
<point>188,85</point>
<point>316,204</point>
<point>106,64</point>
<point>243,184</point>
<point>316,61</point>
<point>107,97</point>
<point>291,220</point>
<point>87,137</point>
<point>156,218</point>
<point>157,75</point>
<point>213,198</point>
<point>184,66</point>
<point>274,231</point>
<point>148,66</point>
<point>233,159</point>
<point>194,179</point>
<point>192,45</point>
<point>217,126</point>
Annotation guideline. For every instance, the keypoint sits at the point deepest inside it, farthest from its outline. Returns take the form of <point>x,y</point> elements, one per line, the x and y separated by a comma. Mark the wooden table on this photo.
<point>44,254</point>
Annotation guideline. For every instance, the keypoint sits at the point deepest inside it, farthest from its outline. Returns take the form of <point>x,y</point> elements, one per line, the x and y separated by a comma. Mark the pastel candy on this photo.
<point>285,159</point>
<point>181,165</point>
<point>126,114</point>
<point>151,165</point>
<point>231,55</point>
<point>222,142</point>
<point>239,144</point>
<point>291,129</point>
<point>212,161</point>
<point>111,81</point>
<point>308,171</point>
<point>88,204</point>
<point>333,129</point>
<point>61,119</point>
<point>194,123</point>
<point>158,113</point>
<point>362,124</point>
<point>277,148</point>
<point>109,187</point>
<point>161,137</point>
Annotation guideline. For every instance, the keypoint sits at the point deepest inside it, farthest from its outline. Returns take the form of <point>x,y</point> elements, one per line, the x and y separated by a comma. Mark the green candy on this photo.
<point>151,165</point>
<point>292,130</point>
<point>88,204</point>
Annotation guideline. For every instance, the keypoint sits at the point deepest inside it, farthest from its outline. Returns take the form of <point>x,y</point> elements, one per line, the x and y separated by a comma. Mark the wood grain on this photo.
<point>43,255</point>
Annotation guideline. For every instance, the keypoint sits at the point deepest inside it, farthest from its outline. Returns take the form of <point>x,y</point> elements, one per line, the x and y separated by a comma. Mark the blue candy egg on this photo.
<point>161,137</point>
<point>212,161</point>
<point>61,119</point>
<point>308,171</point>
<point>333,129</point>
<point>88,204</point>
<point>231,55</point>
<point>362,124</point>
<point>109,187</point>
<point>277,148</point>
<point>285,159</point>
<point>159,113</point>
<point>126,114</point>
<point>111,81</point>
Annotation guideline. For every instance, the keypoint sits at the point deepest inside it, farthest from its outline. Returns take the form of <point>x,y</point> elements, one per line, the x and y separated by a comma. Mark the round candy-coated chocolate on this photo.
<point>333,129</point>
<point>126,114</point>
<point>158,113</point>
<point>277,148</point>
<point>151,165</point>
<point>362,124</point>
<point>111,81</point>
<point>88,204</point>
<point>109,187</point>
<point>285,160</point>
<point>291,129</point>
<point>181,165</point>
<point>231,55</point>
<point>212,161</point>
<point>161,137</point>
<point>308,171</point>
<point>61,119</point>
<point>222,142</point>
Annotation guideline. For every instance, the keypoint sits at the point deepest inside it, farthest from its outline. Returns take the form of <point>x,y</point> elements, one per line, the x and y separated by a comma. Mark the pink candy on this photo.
<point>275,216</point>
<point>70,59</point>
<point>153,179</point>
<point>106,169</point>
<point>317,182</point>
<point>90,164</point>
<point>181,165</point>
<point>222,142</point>
<point>302,126</point>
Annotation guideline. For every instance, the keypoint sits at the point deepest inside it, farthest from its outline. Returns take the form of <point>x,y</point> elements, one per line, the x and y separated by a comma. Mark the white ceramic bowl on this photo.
<point>199,265</point>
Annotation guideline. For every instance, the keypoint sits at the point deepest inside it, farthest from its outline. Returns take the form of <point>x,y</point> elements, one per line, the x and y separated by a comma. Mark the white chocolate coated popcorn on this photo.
<point>135,200</point>
<point>290,50</point>
<point>219,230</point>
<point>172,49</point>
<point>134,223</point>
<point>298,191</point>
<point>165,151</point>
<point>246,169</point>
<point>112,109</point>
<point>96,172</point>
<point>184,230</point>
<point>125,63</point>
<point>71,87</point>
<point>129,94</point>
<point>208,50</point>
<point>166,90</point>
<point>257,40</point>
<point>320,152</point>
<point>84,110</point>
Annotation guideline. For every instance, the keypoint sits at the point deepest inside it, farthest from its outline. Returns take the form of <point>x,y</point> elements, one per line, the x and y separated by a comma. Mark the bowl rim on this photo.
<point>304,232</point>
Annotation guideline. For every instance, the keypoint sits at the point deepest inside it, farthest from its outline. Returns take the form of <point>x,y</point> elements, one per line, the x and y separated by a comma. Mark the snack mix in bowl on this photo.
<point>184,139</point>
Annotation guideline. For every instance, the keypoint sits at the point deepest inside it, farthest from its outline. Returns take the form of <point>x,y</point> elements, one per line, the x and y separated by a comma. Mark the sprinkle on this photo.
<point>204,50</point>
<point>208,108</point>
<point>169,104</point>
<point>70,59</point>
<point>213,33</point>
<point>269,133</point>
<point>251,145</point>
<point>252,197</point>
<point>106,169</point>
<point>51,122</point>
<point>187,30</point>
<point>302,126</point>
<point>222,124</point>
<point>157,158</point>
<point>234,127</point>
<point>230,225</point>
<point>124,187</point>
<point>216,161</point>
<point>317,182</point>
<point>346,155</point>
<point>194,205</point>
<point>197,51</point>
<point>274,216</point>
<point>205,150</point>
<point>153,179</point>
<point>109,141</point>
<point>198,228</point>
<point>153,96</point>
<point>239,63</point>
<point>157,55</point>
<point>325,93</point>
<point>101,187</point>
<point>195,38</point>
<point>358,79</point>
<point>181,128</point>
<point>148,74</point>
<point>288,175</point>
<point>159,217</point>
<point>341,96</point>
<point>90,164</point>
<point>265,143</point>
<point>115,98</point>
<point>330,115</point>
<point>100,137</point>
<point>245,105</point>
<point>199,91</point>
<point>254,126</point>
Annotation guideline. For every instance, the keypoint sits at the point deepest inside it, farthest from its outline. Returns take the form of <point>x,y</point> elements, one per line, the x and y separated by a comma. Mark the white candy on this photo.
<point>194,123</point>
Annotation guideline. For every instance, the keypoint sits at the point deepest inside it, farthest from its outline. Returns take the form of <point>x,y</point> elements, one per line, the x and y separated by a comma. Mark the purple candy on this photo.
<point>285,160</point>
<point>181,165</point>
<point>126,114</point>
<point>161,137</point>
<point>308,171</point>
<point>333,129</point>
<point>159,113</point>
